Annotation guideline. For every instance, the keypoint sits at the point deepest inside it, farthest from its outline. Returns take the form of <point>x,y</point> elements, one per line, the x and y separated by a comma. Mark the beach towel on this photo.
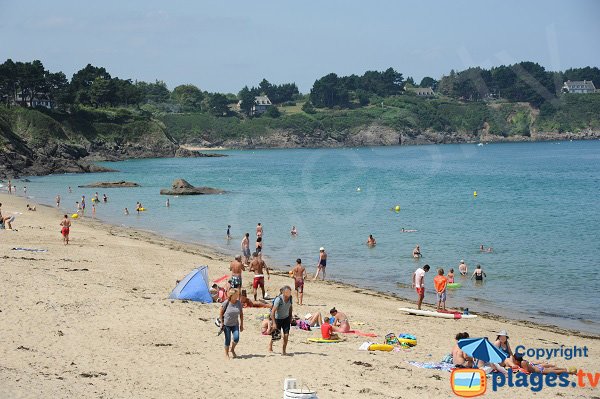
<point>365,346</point>
<point>432,365</point>
<point>361,333</point>
<point>30,249</point>
<point>217,281</point>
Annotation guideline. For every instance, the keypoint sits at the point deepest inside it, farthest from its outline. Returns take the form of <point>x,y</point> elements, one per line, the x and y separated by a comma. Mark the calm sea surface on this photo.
<point>538,206</point>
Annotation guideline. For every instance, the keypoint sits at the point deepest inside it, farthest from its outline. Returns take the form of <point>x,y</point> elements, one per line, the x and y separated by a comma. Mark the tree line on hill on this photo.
<point>21,82</point>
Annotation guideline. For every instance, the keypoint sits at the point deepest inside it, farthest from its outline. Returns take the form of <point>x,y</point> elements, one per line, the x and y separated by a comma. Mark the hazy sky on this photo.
<point>224,45</point>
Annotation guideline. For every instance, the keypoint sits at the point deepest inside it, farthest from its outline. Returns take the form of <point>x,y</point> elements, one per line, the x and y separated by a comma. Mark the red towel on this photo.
<point>217,281</point>
<point>362,334</point>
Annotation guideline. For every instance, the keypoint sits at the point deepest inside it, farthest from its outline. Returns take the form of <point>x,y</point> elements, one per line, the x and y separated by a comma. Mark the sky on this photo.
<point>225,45</point>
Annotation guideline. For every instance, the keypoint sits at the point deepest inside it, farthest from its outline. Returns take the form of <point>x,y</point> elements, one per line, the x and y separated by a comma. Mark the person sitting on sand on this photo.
<point>294,232</point>
<point>542,368</point>
<point>217,293</point>
<point>451,276</point>
<point>340,321</point>
<point>462,268</point>
<point>266,327</point>
<point>371,241</point>
<point>416,253</point>
<point>459,358</point>
<point>247,303</point>
<point>6,220</point>
<point>502,344</point>
<point>478,274</point>
<point>326,330</point>
<point>29,208</point>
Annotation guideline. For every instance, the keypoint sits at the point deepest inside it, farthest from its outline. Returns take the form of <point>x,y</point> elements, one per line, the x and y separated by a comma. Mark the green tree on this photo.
<point>218,104</point>
<point>273,112</point>
<point>102,92</point>
<point>246,100</point>
<point>59,91</point>
<point>329,91</point>
<point>82,81</point>
<point>428,82</point>
<point>308,107</point>
<point>188,97</point>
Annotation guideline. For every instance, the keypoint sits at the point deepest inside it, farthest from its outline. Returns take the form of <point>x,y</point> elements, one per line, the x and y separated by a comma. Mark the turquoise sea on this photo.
<point>538,206</point>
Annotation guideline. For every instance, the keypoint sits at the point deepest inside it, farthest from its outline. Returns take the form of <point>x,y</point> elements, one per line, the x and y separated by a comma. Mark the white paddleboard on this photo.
<point>438,314</point>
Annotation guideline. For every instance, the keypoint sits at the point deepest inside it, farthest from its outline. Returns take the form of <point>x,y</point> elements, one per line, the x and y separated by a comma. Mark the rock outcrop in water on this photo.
<point>110,184</point>
<point>182,187</point>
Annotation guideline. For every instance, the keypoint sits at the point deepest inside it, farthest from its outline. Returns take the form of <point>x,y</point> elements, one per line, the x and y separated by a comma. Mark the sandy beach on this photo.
<point>92,320</point>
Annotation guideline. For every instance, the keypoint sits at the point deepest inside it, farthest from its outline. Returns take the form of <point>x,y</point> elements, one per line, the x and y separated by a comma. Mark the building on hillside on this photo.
<point>261,104</point>
<point>579,87</point>
<point>38,100</point>
<point>423,91</point>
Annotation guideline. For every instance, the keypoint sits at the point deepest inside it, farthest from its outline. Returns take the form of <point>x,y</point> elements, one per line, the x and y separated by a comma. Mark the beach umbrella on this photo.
<point>481,349</point>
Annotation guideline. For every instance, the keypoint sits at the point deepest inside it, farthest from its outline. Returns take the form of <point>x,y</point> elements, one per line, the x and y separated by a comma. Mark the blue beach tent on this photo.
<point>193,287</point>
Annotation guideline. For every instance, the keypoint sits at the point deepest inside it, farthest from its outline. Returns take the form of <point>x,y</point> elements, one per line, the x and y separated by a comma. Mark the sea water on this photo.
<point>537,205</point>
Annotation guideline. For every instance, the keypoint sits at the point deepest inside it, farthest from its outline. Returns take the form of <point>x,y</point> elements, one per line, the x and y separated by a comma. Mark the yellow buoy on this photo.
<point>397,208</point>
<point>474,193</point>
<point>74,216</point>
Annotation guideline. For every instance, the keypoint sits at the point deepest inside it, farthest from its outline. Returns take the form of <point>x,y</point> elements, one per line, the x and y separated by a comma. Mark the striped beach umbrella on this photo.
<point>481,349</point>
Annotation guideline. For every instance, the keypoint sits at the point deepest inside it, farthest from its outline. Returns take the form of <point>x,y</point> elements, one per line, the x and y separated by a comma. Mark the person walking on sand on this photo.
<point>246,248</point>
<point>259,230</point>
<point>478,274</point>
<point>462,268</point>
<point>416,253</point>
<point>58,200</point>
<point>299,274</point>
<point>66,228</point>
<point>418,283</point>
<point>236,267</point>
<point>232,321</point>
<point>281,315</point>
<point>440,282</point>
<point>322,263</point>
<point>258,266</point>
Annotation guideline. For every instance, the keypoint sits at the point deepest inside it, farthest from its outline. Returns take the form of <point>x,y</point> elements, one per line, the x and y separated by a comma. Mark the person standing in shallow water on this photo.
<point>418,283</point>
<point>322,263</point>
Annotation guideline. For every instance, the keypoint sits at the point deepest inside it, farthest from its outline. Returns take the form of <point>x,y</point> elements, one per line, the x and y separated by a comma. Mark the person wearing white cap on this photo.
<point>502,344</point>
<point>322,263</point>
<point>462,268</point>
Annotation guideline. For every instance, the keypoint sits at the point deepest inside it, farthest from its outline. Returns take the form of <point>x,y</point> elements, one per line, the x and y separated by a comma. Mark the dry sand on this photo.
<point>92,320</point>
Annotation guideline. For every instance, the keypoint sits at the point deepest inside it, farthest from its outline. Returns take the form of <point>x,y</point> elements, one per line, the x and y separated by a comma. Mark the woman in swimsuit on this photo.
<point>322,263</point>
<point>417,252</point>
<point>502,344</point>
<point>478,274</point>
<point>340,321</point>
<point>542,368</point>
<point>451,276</point>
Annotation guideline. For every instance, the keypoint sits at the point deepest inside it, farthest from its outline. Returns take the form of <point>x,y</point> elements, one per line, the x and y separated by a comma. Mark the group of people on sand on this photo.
<point>513,361</point>
<point>279,321</point>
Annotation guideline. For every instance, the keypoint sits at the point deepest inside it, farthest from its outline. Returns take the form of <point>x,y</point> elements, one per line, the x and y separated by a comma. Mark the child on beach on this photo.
<point>326,330</point>
<point>440,282</point>
<point>451,276</point>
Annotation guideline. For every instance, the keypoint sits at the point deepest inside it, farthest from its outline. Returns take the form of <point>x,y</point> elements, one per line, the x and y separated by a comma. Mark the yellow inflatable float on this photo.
<point>381,347</point>
<point>74,216</point>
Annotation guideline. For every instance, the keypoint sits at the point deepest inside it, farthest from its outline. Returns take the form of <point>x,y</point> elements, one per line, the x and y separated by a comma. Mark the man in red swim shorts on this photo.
<point>418,282</point>
<point>299,274</point>
<point>66,227</point>
<point>258,266</point>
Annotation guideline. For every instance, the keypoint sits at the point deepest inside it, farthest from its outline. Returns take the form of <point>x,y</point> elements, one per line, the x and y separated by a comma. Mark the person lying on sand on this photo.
<point>543,368</point>
<point>340,321</point>
<point>247,303</point>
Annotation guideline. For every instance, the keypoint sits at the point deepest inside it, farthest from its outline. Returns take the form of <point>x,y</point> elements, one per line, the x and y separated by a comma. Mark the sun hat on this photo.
<point>503,333</point>
<point>462,261</point>
<point>322,249</point>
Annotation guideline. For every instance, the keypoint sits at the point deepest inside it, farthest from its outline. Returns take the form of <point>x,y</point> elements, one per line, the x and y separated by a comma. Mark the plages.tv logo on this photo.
<point>468,383</point>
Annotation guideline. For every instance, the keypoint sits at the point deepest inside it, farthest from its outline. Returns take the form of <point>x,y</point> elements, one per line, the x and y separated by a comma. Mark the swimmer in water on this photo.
<point>371,241</point>
<point>478,274</point>
<point>294,232</point>
<point>482,249</point>
<point>126,211</point>
<point>417,252</point>
<point>462,268</point>
<point>229,232</point>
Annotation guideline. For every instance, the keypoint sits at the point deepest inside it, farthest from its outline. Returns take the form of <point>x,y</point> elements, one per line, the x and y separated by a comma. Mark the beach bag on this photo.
<point>391,339</point>
<point>303,325</point>
<point>218,319</point>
